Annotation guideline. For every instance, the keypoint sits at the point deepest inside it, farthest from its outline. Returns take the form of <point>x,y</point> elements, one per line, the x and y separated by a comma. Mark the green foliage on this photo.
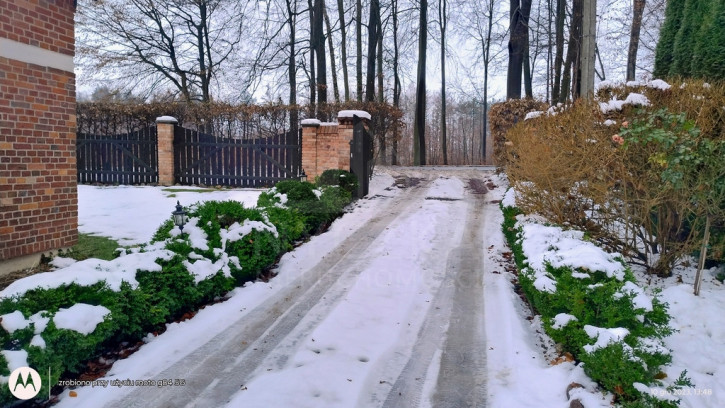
<point>334,177</point>
<point>173,289</point>
<point>666,44</point>
<point>290,224</point>
<point>163,296</point>
<point>257,251</point>
<point>692,40</point>
<point>163,232</point>
<point>91,246</point>
<point>598,301</point>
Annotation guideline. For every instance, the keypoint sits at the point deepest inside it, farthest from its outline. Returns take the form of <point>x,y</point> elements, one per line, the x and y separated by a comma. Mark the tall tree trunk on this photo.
<point>638,11</point>
<point>486,62</point>
<point>373,20</point>
<point>589,41</point>
<point>528,88</point>
<point>358,43</point>
<point>559,56</point>
<point>396,82</point>
<point>292,66</point>
<point>572,74</point>
<point>321,60</point>
<point>419,119</point>
<point>313,78</point>
<point>381,97</point>
<point>343,48</point>
<point>519,21</point>
<point>442,24</point>
<point>335,88</point>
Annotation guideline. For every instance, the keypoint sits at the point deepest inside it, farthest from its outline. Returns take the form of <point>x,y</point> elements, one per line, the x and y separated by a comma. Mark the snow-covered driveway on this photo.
<point>383,310</point>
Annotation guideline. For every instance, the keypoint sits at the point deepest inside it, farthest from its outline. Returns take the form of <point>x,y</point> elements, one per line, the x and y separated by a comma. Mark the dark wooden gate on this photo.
<point>129,158</point>
<point>361,156</point>
<point>201,159</point>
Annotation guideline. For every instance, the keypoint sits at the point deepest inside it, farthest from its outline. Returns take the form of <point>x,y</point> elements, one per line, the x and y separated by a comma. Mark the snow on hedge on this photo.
<point>81,317</point>
<point>603,337</point>
<point>561,320</point>
<point>91,271</point>
<point>544,244</point>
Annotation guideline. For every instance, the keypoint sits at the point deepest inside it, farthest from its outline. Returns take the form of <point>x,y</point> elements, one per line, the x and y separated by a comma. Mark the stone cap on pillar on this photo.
<point>310,123</point>
<point>166,119</point>
<point>346,116</point>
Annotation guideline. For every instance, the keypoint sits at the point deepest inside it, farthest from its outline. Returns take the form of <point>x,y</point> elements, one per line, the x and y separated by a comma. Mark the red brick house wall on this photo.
<point>38,192</point>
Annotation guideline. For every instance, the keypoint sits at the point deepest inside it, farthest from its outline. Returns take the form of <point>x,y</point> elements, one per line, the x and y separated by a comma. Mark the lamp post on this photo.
<point>179,216</point>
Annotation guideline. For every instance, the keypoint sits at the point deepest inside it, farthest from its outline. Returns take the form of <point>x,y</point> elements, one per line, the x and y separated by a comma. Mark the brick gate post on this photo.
<point>310,128</point>
<point>165,134</point>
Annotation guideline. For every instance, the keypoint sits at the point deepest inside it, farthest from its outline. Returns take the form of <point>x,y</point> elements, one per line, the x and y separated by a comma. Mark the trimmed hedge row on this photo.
<point>599,301</point>
<point>223,243</point>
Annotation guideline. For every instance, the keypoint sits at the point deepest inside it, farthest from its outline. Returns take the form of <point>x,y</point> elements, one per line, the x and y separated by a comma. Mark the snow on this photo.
<point>351,113</point>
<point>37,341</point>
<point>609,122</point>
<point>16,359</point>
<point>235,232</point>
<point>544,244</point>
<point>446,189</point>
<point>166,119</point>
<point>61,262</point>
<point>640,300</point>
<point>533,115</point>
<point>14,321</point>
<point>81,317</point>
<point>561,320</point>
<point>391,287</point>
<point>91,271</point>
<point>131,214</point>
<point>632,99</point>
<point>659,84</point>
<point>310,122</point>
<point>40,321</point>
<point>603,336</point>
<point>509,199</point>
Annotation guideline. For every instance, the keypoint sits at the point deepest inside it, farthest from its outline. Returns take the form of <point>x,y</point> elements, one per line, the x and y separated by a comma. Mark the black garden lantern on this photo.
<point>303,176</point>
<point>179,216</point>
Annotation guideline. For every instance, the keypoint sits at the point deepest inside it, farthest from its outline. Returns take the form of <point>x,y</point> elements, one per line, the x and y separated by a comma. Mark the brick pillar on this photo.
<point>310,128</point>
<point>165,134</point>
<point>345,130</point>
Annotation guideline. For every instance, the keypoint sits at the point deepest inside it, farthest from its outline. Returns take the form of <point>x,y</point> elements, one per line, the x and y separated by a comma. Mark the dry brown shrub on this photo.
<point>573,169</point>
<point>503,116</point>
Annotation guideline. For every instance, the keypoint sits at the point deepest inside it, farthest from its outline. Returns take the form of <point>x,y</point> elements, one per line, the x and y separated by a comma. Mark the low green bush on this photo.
<point>334,177</point>
<point>599,301</point>
<point>242,242</point>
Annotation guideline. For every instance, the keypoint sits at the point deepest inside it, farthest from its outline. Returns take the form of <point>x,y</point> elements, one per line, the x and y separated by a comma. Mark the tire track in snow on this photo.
<point>217,370</point>
<point>455,328</point>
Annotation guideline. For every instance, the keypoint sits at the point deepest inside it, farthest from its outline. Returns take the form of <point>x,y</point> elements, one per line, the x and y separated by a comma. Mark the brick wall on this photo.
<point>38,194</point>
<point>326,145</point>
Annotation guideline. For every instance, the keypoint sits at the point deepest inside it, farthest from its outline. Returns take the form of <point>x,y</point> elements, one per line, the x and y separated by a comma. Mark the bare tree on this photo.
<point>420,93</point>
<point>319,47</point>
<point>343,48</point>
<point>161,44</point>
<point>358,44</point>
<point>397,89</point>
<point>637,13</point>
<point>519,37</point>
<point>335,89</point>
<point>373,33</point>
<point>442,25</point>
<point>559,56</point>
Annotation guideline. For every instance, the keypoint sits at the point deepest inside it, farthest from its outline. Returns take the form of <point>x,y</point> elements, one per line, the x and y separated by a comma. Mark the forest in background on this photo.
<point>314,52</point>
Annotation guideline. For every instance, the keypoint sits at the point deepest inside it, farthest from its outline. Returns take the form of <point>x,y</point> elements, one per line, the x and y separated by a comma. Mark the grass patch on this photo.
<point>189,190</point>
<point>92,246</point>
